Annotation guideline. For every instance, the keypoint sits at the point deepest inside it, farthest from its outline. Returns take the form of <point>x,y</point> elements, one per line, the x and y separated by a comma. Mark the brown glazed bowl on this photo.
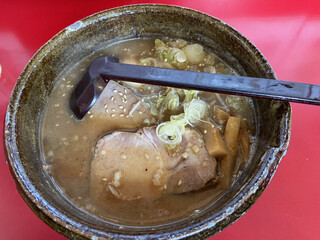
<point>29,97</point>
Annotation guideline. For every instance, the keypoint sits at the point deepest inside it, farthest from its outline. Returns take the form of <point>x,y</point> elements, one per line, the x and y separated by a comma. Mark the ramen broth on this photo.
<point>69,145</point>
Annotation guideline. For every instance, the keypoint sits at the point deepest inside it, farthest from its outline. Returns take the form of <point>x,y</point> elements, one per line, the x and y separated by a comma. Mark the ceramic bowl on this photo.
<point>35,84</point>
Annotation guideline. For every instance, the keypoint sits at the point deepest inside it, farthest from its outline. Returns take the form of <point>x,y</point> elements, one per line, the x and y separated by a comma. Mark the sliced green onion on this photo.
<point>176,55</point>
<point>159,43</point>
<point>159,100</point>
<point>210,69</point>
<point>194,53</point>
<point>170,134</point>
<point>189,95</point>
<point>154,110</point>
<point>172,101</point>
<point>195,110</point>
<point>150,62</point>
<point>179,120</point>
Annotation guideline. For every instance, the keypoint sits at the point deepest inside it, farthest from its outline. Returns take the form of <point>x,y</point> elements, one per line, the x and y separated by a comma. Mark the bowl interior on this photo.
<point>84,37</point>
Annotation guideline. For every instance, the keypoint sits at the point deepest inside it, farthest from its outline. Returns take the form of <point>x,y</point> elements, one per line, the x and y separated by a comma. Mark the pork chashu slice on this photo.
<point>121,108</point>
<point>117,108</point>
<point>137,165</point>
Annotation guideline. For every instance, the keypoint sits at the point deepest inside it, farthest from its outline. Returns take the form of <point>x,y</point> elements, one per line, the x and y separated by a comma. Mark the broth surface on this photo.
<point>68,145</point>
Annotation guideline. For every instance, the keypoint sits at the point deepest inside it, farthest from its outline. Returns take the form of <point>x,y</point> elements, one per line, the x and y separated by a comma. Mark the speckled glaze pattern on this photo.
<point>29,97</point>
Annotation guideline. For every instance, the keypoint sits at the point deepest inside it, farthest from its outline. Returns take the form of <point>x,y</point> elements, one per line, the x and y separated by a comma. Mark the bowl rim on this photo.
<point>27,189</point>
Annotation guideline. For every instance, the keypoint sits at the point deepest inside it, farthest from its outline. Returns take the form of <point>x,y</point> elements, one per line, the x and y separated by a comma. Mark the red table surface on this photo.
<point>288,34</point>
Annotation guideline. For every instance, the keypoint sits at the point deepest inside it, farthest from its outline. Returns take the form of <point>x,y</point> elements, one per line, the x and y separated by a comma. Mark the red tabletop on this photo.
<point>288,34</point>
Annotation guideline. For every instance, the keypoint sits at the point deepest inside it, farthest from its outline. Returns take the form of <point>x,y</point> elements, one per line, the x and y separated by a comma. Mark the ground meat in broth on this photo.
<point>100,183</point>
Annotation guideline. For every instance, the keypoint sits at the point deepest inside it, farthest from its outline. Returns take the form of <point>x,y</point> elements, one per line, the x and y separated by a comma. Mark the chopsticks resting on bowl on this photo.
<point>105,68</point>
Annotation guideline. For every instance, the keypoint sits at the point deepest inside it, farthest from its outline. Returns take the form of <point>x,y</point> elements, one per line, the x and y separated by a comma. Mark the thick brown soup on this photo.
<point>147,155</point>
